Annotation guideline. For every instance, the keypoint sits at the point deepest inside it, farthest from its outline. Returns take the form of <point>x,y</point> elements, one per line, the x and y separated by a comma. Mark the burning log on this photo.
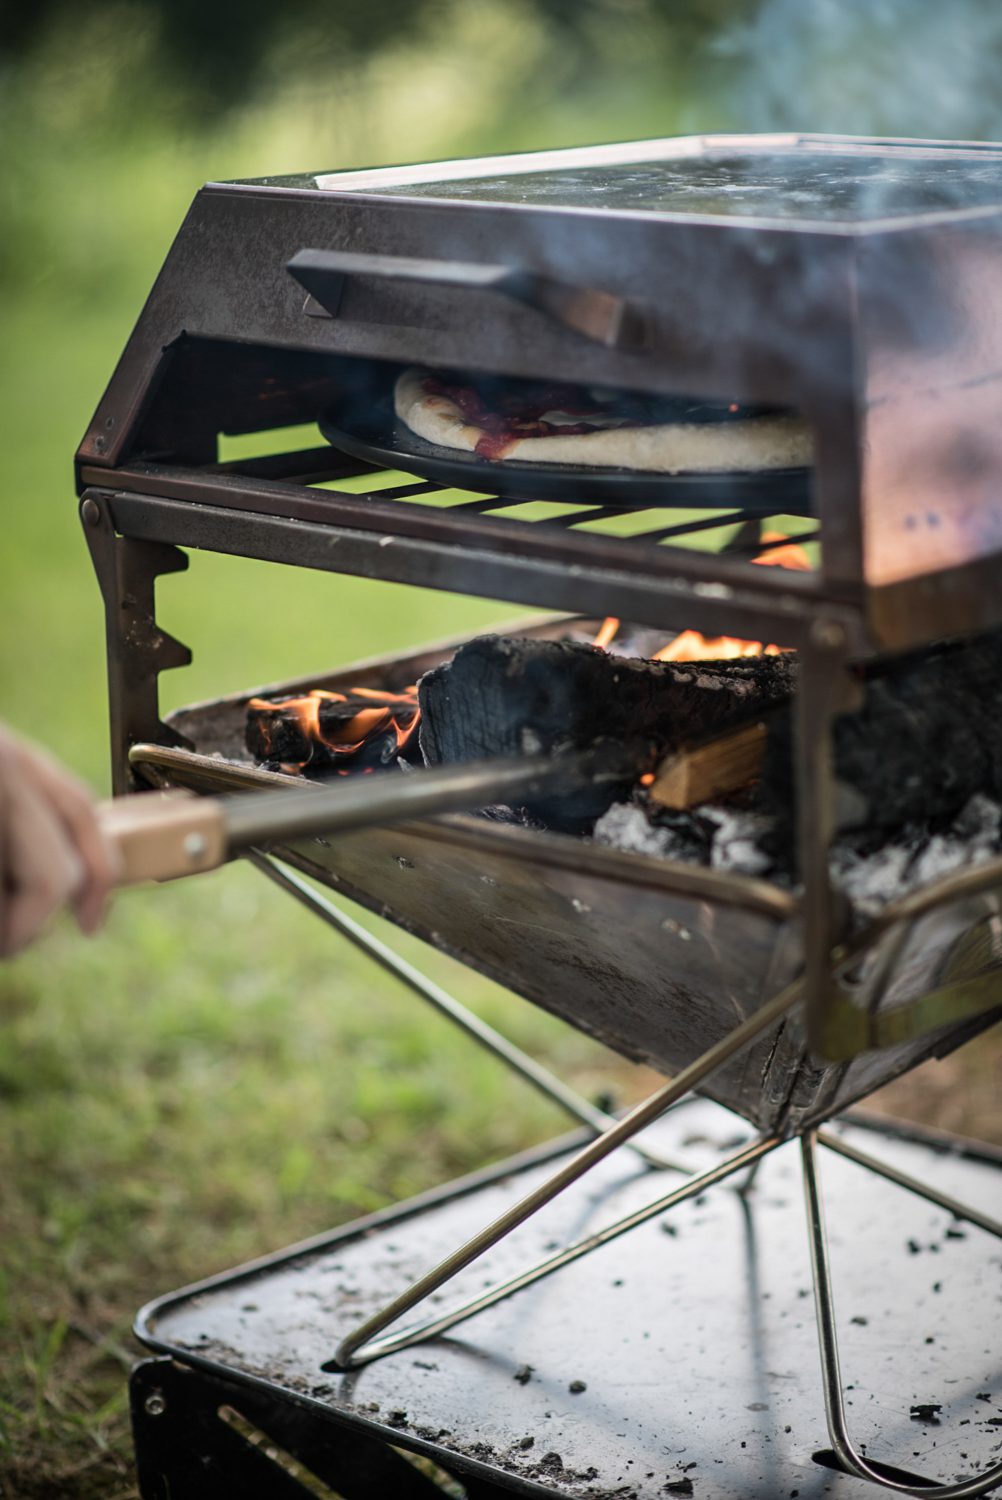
<point>361,729</point>
<point>512,697</point>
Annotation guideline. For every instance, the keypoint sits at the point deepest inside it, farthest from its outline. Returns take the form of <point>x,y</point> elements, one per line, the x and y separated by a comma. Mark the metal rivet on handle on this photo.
<point>155,1404</point>
<point>196,846</point>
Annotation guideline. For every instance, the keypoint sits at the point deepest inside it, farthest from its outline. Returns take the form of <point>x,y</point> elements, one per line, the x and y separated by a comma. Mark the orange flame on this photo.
<point>791,556</point>
<point>692,645</point>
<point>343,737</point>
<point>606,632</point>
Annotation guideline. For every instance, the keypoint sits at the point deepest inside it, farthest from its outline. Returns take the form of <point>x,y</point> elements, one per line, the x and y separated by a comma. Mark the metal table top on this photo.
<point>685,1356</point>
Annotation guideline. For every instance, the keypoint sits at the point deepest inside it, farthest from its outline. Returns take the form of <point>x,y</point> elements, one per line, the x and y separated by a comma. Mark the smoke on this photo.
<point>866,67</point>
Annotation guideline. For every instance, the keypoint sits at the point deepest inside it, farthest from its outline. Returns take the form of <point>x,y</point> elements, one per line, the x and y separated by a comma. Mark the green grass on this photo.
<point>216,1077</point>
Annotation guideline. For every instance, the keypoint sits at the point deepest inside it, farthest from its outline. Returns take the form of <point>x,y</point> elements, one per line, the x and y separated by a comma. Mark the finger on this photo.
<point>74,805</point>
<point>42,869</point>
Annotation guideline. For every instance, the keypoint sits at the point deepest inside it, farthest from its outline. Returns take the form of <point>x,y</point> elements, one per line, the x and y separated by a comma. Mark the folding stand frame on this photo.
<point>369,1341</point>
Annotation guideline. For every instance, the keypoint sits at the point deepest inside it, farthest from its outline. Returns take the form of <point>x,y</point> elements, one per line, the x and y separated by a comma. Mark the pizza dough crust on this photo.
<point>756,443</point>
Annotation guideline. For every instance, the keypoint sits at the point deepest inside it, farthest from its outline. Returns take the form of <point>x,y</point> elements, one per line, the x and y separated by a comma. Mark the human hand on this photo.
<point>52,851</point>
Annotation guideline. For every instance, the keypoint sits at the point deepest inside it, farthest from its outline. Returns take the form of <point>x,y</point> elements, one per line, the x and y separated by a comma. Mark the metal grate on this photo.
<point>654,564</point>
<point>731,529</point>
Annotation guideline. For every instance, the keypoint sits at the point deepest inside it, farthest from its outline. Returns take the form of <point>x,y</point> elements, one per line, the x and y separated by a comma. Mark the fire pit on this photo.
<point>844,281</point>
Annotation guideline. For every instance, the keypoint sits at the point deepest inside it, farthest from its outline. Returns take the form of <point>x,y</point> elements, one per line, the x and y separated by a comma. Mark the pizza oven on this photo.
<point>853,284</point>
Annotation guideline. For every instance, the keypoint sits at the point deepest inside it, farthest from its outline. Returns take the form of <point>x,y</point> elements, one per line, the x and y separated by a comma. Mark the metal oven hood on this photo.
<point>857,280</point>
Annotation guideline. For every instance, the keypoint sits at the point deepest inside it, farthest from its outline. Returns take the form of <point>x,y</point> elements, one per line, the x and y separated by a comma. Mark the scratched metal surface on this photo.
<point>693,1335</point>
<point>852,186</point>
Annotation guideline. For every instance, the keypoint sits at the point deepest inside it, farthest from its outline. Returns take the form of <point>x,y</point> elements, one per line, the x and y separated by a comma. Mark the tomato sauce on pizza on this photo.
<point>513,417</point>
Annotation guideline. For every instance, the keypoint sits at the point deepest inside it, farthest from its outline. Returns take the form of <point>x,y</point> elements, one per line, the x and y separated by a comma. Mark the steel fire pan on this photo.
<point>657,959</point>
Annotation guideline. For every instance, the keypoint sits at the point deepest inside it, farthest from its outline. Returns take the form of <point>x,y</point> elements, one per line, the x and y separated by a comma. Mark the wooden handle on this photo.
<point>160,836</point>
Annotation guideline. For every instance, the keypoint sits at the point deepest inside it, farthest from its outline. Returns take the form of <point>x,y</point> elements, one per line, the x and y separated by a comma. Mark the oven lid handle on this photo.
<point>602,317</point>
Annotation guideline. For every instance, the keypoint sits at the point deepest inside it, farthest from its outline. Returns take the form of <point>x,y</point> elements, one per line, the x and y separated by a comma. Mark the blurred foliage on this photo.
<point>109,125</point>
<point>217,56</point>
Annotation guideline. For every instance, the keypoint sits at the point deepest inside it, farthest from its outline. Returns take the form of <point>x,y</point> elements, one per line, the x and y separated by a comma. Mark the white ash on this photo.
<point>732,839</point>
<point>722,837</point>
<point>872,880</point>
<point>735,845</point>
<point>624,826</point>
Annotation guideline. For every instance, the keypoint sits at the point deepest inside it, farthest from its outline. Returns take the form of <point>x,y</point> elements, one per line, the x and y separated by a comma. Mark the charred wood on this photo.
<point>926,738</point>
<point>507,696</point>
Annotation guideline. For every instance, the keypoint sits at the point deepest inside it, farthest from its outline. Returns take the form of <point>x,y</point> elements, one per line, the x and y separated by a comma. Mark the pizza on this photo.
<point>533,422</point>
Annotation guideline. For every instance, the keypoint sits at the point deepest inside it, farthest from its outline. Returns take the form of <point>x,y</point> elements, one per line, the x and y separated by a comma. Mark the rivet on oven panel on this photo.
<point>155,1405</point>
<point>90,511</point>
<point>100,442</point>
<point>196,846</point>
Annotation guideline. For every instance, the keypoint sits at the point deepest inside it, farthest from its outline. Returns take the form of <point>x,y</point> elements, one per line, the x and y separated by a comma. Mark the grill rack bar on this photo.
<point>573,558</point>
<point>571,515</point>
<point>307,468</point>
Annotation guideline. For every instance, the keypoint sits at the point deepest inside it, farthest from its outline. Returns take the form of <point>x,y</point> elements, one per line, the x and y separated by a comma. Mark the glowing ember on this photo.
<point>606,633</point>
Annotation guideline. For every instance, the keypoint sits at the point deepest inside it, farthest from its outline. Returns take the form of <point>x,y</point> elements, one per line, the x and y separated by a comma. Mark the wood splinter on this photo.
<point>698,773</point>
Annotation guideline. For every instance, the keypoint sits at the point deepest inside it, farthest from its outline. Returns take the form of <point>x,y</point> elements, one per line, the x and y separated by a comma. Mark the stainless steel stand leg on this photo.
<point>352,1349</point>
<point>520,1062</point>
<point>748,1182</point>
<point>442,1323</point>
<point>838,1430</point>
